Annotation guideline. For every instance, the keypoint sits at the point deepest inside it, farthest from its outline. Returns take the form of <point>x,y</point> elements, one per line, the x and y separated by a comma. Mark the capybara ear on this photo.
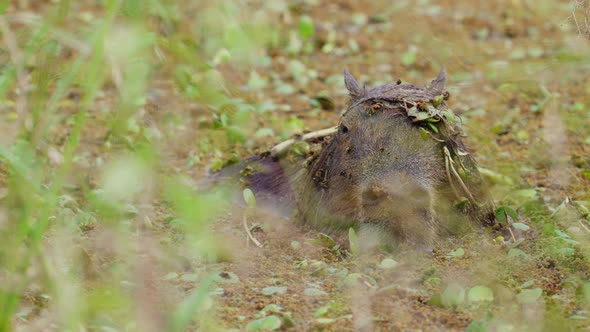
<point>352,85</point>
<point>438,84</point>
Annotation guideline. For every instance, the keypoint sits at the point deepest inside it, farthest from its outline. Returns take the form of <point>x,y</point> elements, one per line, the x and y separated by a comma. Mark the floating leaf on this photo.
<point>314,292</point>
<point>306,27</point>
<point>436,101</point>
<point>409,57</point>
<point>520,226</point>
<point>269,323</point>
<point>529,295</point>
<point>424,133</point>
<point>523,194</point>
<point>354,279</point>
<point>170,276</point>
<point>249,198</point>
<point>353,241</point>
<point>514,252</point>
<point>272,308</point>
<point>480,294</point>
<point>459,252</point>
<point>388,264</point>
<point>449,116</point>
<point>326,241</point>
<point>432,126</point>
<point>495,177</point>
<point>477,326</point>
<point>274,290</point>
<point>359,18</point>
<point>295,245</point>
<point>256,81</point>
<point>503,212</point>
<point>586,292</point>
<point>453,296</point>
<point>189,277</point>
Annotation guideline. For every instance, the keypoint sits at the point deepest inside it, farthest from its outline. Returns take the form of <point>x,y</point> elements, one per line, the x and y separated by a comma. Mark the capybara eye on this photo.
<point>343,129</point>
<point>376,106</point>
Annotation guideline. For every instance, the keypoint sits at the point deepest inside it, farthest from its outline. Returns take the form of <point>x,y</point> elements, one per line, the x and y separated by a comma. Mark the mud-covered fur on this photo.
<point>378,173</point>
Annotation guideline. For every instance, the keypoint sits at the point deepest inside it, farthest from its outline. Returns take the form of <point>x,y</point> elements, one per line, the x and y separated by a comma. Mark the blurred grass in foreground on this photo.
<point>66,60</point>
<point>93,219</point>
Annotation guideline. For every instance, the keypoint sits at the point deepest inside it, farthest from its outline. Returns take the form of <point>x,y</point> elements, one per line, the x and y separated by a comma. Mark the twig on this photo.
<point>281,147</point>
<point>584,226</point>
<point>449,177</point>
<point>463,185</point>
<point>436,139</point>
<point>511,234</point>
<point>250,236</point>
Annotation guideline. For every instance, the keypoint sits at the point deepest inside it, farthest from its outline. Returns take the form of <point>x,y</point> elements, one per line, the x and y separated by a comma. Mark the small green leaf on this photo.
<point>388,264</point>
<point>189,277</point>
<point>326,241</point>
<point>314,292</point>
<point>353,241</point>
<point>256,81</point>
<point>433,127</point>
<point>459,252</point>
<point>494,177</point>
<point>503,212</point>
<point>424,133</point>
<point>477,326</point>
<point>249,198</point>
<point>359,18</point>
<point>567,252</point>
<point>269,323</point>
<point>323,310</point>
<point>436,101</point>
<point>520,226</point>
<point>274,290</point>
<point>275,308</point>
<point>3,6</point>
<point>524,194</point>
<point>514,252</point>
<point>480,294</point>
<point>453,296</point>
<point>170,276</point>
<point>306,27</point>
<point>409,57</point>
<point>449,116</point>
<point>529,295</point>
<point>295,245</point>
<point>586,292</point>
<point>301,148</point>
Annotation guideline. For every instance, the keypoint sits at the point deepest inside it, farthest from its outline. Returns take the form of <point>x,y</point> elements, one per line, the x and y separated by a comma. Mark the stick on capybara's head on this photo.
<point>386,169</point>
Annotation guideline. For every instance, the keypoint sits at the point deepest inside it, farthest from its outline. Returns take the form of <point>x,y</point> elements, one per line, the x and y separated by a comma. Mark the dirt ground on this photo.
<point>518,74</point>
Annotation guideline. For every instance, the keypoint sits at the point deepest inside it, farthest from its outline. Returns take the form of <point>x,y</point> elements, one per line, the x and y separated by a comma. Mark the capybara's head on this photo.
<point>379,169</point>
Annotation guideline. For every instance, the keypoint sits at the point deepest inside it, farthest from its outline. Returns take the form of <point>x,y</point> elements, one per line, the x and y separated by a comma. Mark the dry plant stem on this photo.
<point>283,146</point>
<point>450,178</point>
<point>17,59</point>
<point>247,229</point>
<point>584,226</point>
<point>512,234</point>
<point>434,138</point>
<point>470,196</point>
